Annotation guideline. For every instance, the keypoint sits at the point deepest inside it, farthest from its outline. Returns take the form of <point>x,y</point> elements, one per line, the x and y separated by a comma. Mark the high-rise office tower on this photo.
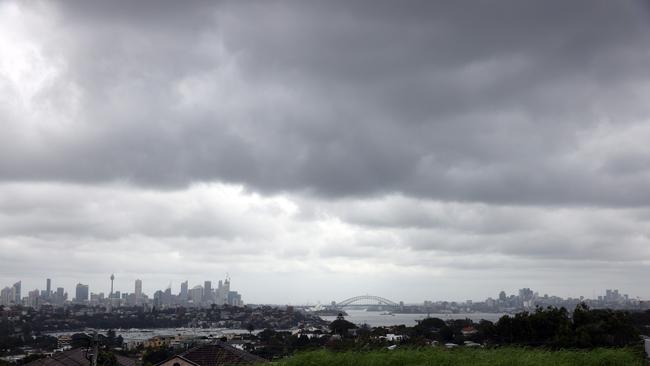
<point>6,296</point>
<point>218,294</point>
<point>196,294</point>
<point>16,292</point>
<point>59,298</point>
<point>207,292</point>
<point>32,298</point>
<point>226,289</point>
<point>138,291</point>
<point>81,294</point>
<point>48,288</point>
<point>167,298</point>
<point>222,291</point>
<point>183,294</point>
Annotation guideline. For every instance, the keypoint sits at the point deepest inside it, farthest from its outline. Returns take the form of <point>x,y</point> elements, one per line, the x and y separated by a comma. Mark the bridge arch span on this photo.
<point>368,298</point>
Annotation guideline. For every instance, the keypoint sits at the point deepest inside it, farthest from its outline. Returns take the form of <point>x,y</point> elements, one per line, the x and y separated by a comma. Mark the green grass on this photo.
<point>471,357</point>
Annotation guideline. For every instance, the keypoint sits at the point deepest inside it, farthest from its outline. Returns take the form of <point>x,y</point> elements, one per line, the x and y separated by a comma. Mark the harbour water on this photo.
<point>380,319</point>
<point>372,318</point>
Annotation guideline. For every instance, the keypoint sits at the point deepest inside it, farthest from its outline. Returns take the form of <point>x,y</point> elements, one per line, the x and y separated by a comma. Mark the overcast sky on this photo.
<point>419,150</point>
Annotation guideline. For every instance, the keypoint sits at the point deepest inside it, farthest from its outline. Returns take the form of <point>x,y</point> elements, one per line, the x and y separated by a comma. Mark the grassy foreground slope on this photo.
<point>473,357</point>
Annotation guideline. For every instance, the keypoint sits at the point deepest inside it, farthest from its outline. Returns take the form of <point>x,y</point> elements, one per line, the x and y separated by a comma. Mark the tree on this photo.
<point>107,359</point>
<point>80,340</point>
<point>156,355</point>
<point>27,331</point>
<point>266,335</point>
<point>45,342</point>
<point>428,328</point>
<point>486,330</point>
<point>341,326</point>
<point>446,334</point>
<point>364,331</point>
<point>250,328</point>
<point>30,358</point>
<point>110,338</point>
<point>431,323</point>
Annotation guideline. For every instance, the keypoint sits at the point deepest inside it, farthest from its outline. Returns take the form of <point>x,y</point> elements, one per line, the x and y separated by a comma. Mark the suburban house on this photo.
<point>216,353</point>
<point>76,357</point>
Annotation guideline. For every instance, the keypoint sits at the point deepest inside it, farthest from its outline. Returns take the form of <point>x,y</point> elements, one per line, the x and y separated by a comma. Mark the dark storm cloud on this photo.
<point>354,144</point>
<point>480,101</point>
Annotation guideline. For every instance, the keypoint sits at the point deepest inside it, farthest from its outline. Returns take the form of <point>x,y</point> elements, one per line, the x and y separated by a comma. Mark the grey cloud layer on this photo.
<point>479,101</point>
<point>221,220</point>
<point>82,232</point>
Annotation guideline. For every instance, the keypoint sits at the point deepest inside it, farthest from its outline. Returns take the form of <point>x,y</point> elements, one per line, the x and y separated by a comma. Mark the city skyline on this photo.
<point>185,290</point>
<point>321,150</point>
<point>84,294</point>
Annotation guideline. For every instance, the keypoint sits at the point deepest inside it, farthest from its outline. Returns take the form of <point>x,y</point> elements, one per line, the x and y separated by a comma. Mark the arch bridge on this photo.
<point>366,300</point>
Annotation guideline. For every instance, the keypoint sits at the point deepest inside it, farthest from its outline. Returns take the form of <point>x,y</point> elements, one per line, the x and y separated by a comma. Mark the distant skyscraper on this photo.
<point>196,294</point>
<point>167,298</point>
<point>207,292</point>
<point>223,292</point>
<point>6,296</point>
<point>234,299</point>
<point>48,288</point>
<point>59,297</point>
<point>220,297</point>
<point>226,289</point>
<point>525,294</point>
<point>183,294</point>
<point>138,291</point>
<point>158,298</point>
<point>16,292</point>
<point>81,294</point>
<point>32,298</point>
